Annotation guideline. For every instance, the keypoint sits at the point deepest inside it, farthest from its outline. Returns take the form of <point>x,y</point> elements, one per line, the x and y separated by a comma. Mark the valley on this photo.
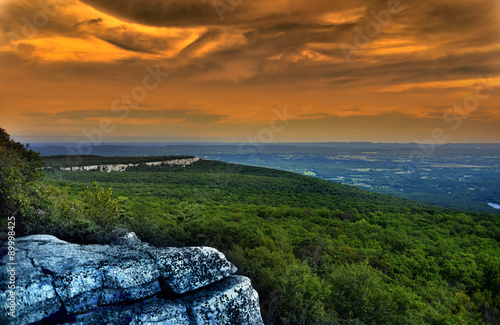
<point>459,176</point>
<point>318,252</point>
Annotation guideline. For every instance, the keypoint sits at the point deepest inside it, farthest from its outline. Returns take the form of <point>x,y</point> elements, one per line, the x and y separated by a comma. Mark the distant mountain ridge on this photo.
<point>122,167</point>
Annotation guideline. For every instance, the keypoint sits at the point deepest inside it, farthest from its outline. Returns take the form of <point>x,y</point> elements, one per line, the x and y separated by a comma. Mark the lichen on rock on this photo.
<point>128,283</point>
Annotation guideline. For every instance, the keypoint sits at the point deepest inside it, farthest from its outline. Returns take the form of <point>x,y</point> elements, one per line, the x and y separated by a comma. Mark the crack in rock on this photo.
<point>129,283</point>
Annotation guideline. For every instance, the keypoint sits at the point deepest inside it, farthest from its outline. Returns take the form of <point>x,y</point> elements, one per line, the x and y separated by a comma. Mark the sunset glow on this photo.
<point>380,71</point>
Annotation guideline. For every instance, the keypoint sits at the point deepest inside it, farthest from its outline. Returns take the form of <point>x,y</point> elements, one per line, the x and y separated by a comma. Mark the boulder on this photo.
<point>149,311</point>
<point>88,276</point>
<point>34,295</point>
<point>230,301</point>
<point>190,268</point>
<point>129,239</point>
<point>129,283</point>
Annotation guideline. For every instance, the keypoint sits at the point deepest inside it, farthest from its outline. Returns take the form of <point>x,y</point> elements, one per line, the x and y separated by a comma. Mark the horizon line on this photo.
<point>238,142</point>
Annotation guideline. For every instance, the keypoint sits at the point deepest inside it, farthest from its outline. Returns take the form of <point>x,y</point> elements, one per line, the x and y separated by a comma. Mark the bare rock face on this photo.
<point>187,269</point>
<point>130,283</point>
<point>232,301</point>
<point>149,311</point>
<point>129,239</point>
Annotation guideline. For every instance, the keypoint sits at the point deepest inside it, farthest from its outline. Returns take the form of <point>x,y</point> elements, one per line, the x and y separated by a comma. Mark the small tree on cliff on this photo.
<point>100,207</point>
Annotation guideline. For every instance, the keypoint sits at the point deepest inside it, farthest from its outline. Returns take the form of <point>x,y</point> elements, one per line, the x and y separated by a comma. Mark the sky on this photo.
<point>250,71</point>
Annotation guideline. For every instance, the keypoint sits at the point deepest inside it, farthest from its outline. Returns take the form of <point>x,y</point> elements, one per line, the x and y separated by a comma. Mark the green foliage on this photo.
<point>38,208</point>
<point>188,211</point>
<point>306,296</point>
<point>361,293</point>
<point>100,207</point>
<point>317,252</point>
<point>94,216</point>
<point>20,176</point>
<point>71,219</point>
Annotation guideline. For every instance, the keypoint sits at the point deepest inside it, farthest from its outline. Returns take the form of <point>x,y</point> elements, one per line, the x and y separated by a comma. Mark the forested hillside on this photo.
<point>316,251</point>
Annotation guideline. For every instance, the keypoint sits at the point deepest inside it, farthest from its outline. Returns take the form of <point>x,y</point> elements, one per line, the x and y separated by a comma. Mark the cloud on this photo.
<point>191,116</point>
<point>95,21</point>
<point>263,54</point>
<point>127,47</point>
<point>290,39</point>
<point>159,13</point>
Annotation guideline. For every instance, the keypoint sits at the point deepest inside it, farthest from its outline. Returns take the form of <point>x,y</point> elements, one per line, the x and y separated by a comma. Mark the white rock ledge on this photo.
<point>122,167</point>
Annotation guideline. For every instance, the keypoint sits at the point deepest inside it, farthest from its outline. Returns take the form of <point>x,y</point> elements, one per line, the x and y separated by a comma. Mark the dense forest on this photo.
<point>456,176</point>
<point>317,252</point>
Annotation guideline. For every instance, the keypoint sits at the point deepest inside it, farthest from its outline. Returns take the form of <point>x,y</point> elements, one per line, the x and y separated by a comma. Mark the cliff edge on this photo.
<point>53,281</point>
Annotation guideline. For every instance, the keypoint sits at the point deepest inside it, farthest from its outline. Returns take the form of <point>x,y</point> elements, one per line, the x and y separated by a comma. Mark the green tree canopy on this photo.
<point>19,174</point>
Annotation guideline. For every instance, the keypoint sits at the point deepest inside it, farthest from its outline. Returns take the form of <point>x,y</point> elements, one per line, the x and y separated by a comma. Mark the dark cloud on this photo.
<point>208,36</point>
<point>186,115</point>
<point>27,19</point>
<point>287,30</point>
<point>95,21</point>
<point>160,13</point>
<point>129,47</point>
<point>267,16</point>
<point>315,115</point>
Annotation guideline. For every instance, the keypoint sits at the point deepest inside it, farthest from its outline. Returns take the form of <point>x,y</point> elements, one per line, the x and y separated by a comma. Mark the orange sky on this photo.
<point>358,70</point>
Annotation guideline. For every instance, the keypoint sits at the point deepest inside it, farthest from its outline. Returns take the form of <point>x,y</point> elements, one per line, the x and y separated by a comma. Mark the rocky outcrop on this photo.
<point>122,167</point>
<point>101,168</point>
<point>181,162</point>
<point>126,283</point>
